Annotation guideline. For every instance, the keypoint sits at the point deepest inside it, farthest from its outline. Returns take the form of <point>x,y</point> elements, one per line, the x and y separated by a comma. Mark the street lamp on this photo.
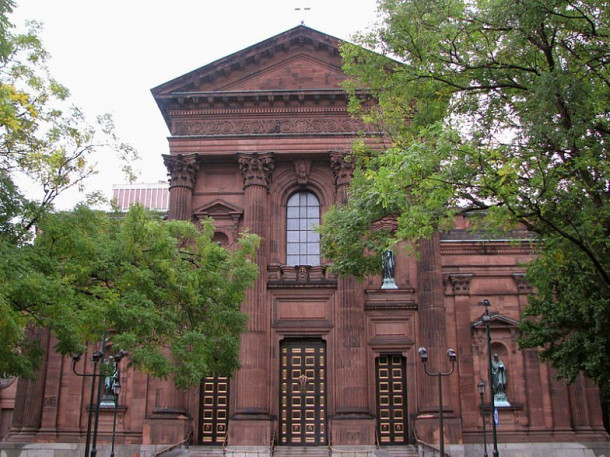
<point>98,359</point>
<point>487,321</point>
<point>481,389</point>
<point>423,354</point>
<point>116,390</point>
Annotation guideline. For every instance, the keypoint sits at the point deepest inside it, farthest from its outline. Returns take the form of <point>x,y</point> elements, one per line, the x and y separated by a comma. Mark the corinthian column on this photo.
<point>252,424</point>
<point>168,408</point>
<point>351,375</point>
<point>182,171</point>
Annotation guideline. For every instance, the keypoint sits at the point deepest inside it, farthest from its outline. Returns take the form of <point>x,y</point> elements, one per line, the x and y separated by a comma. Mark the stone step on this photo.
<point>400,451</point>
<point>205,451</point>
<point>304,451</point>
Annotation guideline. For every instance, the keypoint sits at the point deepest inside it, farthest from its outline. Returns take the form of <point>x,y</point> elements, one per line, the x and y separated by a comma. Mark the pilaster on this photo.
<point>30,395</point>
<point>433,336</point>
<point>351,393</point>
<point>459,289</point>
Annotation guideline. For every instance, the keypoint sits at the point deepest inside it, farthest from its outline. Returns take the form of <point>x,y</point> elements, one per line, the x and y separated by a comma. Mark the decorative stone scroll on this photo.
<point>256,168</point>
<point>342,165</point>
<point>182,170</point>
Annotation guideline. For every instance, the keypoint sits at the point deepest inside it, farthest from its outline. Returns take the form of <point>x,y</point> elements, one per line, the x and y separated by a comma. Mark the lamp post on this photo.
<point>487,321</point>
<point>116,390</point>
<point>98,360</point>
<point>423,354</point>
<point>481,389</point>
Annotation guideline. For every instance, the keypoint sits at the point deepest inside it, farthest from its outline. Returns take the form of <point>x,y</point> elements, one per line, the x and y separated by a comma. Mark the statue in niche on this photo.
<point>388,268</point>
<point>498,372</point>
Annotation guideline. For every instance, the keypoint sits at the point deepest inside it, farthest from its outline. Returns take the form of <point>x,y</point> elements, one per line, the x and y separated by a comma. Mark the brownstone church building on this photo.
<point>260,140</point>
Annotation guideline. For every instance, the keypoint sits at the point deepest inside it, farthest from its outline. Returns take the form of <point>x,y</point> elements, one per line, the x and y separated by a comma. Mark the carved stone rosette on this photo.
<point>256,168</point>
<point>182,170</point>
<point>342,165</point>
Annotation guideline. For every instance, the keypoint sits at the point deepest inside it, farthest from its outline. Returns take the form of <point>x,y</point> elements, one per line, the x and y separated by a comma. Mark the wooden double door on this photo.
<point>214,410</point>
<point>303,393</point>
<point>391,399</point>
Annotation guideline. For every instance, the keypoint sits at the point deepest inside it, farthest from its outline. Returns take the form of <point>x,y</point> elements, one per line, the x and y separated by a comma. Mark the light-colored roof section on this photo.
<point>154,196</point>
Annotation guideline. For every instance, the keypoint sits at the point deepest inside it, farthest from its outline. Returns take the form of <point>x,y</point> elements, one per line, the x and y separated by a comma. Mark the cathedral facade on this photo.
<point>260,140</point>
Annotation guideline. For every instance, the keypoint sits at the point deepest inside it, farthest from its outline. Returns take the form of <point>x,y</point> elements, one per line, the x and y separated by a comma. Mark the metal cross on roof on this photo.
<point>305,8</point>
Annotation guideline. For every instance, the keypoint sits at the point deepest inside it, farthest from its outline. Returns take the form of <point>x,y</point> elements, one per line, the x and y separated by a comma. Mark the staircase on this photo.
<point>205,451</point>
<point>306,451</point>
<point>399,451</point>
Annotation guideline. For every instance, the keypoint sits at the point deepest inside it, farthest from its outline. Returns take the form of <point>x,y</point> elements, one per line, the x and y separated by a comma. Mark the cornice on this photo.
<point>289,101</point>
<point>259,110</point>
<point>491,247</point>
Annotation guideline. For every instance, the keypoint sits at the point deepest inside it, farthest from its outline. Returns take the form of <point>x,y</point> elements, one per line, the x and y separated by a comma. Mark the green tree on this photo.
<point>498,109</point>
<point>162,290</point>
<point>46,143</point>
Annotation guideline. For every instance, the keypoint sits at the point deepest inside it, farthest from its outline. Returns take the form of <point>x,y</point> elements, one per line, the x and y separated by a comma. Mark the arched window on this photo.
<point>302,241</point>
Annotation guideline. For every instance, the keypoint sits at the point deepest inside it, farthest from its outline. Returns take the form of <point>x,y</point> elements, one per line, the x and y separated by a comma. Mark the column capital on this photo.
<point>182,170</point>
<point>523,287</point>
<point>460,283</point>
<point>256,168</point>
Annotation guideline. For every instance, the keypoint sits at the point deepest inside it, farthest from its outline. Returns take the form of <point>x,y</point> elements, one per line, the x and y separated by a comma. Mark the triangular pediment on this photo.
<point>219,209</point>
<point>301,54</point>
<point>302,71</point>
<point>497,321</point>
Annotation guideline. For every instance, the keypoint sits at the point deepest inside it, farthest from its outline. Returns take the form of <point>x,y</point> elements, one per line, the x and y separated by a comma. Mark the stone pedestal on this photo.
<point>250,432</point>
<point>427,428</point>
<point>357,430</point>
<point>166,428</point>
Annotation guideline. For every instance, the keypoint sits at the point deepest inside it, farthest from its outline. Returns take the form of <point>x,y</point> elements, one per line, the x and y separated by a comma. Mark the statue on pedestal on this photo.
<point>389,265</point>
<point>498,372</point>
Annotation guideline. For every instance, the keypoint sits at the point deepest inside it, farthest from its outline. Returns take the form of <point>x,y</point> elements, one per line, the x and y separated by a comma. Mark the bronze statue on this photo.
<point>388,266</point>
<point>498,371</point>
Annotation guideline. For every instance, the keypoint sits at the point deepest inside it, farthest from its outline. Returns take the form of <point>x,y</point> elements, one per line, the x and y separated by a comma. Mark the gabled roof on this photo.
<point>300,59</point>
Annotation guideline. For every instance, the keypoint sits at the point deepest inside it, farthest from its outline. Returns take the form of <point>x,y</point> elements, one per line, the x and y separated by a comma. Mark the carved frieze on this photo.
<point>256,168</point>
<point>182,170</point>
<point>215,127</point>
<point>342,165</point>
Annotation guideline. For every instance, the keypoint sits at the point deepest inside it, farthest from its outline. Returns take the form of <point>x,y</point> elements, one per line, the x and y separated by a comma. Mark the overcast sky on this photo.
<point>111,53</point>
